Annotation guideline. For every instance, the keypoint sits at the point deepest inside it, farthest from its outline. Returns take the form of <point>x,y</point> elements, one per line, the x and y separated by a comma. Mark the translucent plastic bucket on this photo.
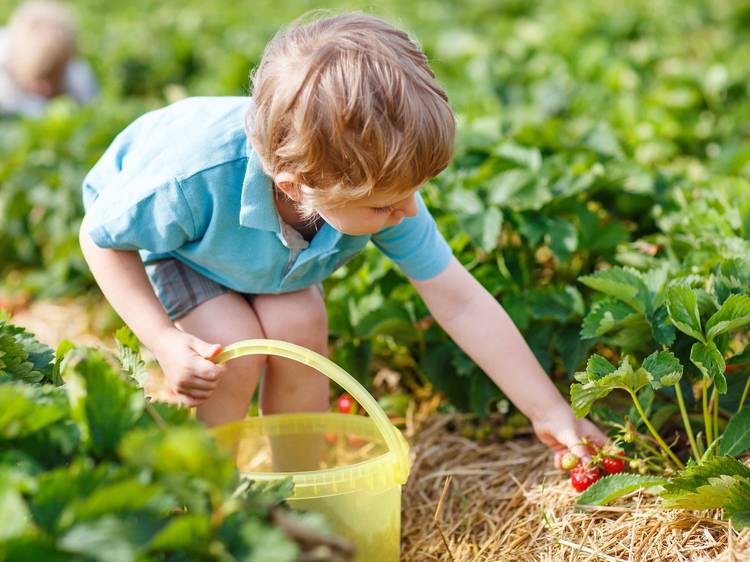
<point>348,467</point>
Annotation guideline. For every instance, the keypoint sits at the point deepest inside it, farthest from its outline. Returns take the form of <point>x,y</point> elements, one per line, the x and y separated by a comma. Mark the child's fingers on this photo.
<point>197,383</point>
<point>204,349</point>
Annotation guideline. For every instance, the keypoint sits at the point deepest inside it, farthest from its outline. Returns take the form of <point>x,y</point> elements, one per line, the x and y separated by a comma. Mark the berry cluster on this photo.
<point>603,461</point>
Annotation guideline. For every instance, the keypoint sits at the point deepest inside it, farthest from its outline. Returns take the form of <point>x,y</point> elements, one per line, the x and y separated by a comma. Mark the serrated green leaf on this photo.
<point>614,486</point>
<point>103,403</point>
<point>682,305</point>
<point>624,284</point>
<point>736,437</point>
<point>733,314</point>
<point>693,487</point>
<point>599,382</point>
<point>604,317</point>
<point>598,367</point>
<point>664,367</point>
<point>710,362</point>
<point>662,329</point>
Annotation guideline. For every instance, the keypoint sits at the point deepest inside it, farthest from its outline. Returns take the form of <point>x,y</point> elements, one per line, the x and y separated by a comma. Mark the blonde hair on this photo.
<point>348,105</point>
<point>41,39</point>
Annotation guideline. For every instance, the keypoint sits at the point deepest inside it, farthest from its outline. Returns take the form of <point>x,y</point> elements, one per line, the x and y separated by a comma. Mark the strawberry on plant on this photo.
<point>345,404</point>
<point>569,461</point>
<point>582,476</point>
<point>613,465</point>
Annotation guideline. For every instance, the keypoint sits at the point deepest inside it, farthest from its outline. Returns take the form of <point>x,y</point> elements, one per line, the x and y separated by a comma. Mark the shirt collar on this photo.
<point>257,209</point>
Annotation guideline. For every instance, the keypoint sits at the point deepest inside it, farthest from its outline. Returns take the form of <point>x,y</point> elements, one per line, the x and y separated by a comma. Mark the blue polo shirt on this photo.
<point>184,182</point>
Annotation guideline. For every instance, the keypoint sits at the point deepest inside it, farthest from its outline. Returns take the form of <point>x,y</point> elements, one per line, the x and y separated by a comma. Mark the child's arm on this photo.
<point>480,326</point>
<point>184,358</point>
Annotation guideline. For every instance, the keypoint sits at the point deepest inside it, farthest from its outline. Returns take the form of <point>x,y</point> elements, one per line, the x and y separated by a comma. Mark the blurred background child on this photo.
<point>38,60</point>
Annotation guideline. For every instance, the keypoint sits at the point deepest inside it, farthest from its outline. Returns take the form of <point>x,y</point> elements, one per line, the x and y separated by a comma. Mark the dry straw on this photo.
<point>468,502</point>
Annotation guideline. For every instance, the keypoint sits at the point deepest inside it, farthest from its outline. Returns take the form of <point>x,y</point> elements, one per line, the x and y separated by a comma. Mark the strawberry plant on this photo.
<point>693,306</point>
<point>91,469</point>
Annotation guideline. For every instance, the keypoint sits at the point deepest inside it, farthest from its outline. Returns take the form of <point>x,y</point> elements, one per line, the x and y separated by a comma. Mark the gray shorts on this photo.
<point>180,288</point>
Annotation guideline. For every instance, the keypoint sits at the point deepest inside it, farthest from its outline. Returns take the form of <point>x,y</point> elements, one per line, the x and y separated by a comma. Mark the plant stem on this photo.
<point>706,413</point>
<point>715,401</point>
<point>744,394</point>
<point>686,421</point>
<point>654,433</point>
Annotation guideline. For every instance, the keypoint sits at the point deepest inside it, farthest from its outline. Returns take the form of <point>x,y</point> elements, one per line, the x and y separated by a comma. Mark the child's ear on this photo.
<point>287,184</point>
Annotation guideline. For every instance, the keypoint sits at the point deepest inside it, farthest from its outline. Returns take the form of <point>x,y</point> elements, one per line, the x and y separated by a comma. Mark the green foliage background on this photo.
<point>585,127</point>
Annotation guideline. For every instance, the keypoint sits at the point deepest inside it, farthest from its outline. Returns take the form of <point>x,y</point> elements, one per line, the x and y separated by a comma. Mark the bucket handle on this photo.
<point>392,437</point>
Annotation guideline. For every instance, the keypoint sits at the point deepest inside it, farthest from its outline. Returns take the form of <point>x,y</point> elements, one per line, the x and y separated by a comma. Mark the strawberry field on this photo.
<point>600,190</point>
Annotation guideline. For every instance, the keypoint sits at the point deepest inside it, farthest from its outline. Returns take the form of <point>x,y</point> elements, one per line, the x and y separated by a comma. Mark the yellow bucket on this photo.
<point>348,467</point>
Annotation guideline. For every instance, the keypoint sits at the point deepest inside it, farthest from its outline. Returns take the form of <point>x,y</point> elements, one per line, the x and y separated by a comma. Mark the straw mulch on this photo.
<point>470,502</point>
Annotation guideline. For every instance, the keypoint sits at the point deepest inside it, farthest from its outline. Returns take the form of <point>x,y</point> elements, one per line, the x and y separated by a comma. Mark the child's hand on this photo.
<point>562,432</point>
<point>186,363</point>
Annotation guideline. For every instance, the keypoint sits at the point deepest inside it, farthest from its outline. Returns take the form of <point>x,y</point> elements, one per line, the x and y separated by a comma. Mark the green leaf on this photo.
<point>519,190</point>
<point>107,539</point>
<point>562,238</point>
<point>188,532</point>
<point>530,158</point>
<point>734,313</point>
<point>26,409</point>
<point>710,362</point>
<point>661,328</point>
<point>389,319</point>
<point>716,482</point>
<point>187,451</point>
<point>598,367</point>
<point>682,305</point>
<point>604,317</point>
<point>664,367</point>
<point>601,138</point>
<point>614,486</point>
<point>624,284</point>
<point>22,358</point>
<point>104,405</point>
<point>598,382</point>
<point>13,511</point>
<point>483,393</point>
<point>736,436</point>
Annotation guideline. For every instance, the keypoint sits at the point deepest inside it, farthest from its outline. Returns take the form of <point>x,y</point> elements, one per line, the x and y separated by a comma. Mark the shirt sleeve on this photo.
<point>415,245</point>
<point>127,215</point>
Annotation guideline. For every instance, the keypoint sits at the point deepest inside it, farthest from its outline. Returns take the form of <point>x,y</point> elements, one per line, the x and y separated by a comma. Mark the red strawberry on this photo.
<point>345,404</point>
<point>581,477</point>
<point>613,465</point>
<point>331,437</point>
<point>355,442</point>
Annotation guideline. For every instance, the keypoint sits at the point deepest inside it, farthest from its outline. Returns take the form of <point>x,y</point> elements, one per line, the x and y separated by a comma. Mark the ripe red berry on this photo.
<point>569,461</point>
<point>613,465</point>
<point>355,442</point>
<point>345,404</point>
<point>581,477</point>
<point>331,437</point>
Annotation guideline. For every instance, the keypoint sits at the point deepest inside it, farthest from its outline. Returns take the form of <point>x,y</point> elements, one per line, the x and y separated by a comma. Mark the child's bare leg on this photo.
<point>224,320</point>
<point>300,318</point>
<point>289,386</point>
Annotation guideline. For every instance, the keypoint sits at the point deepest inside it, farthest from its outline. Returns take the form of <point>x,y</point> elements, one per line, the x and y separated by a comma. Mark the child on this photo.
<point>37,60</point>
<point>240,208</point>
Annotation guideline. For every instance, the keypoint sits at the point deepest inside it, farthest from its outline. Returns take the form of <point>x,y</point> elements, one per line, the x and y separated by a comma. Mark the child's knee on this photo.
<point>304,322</point>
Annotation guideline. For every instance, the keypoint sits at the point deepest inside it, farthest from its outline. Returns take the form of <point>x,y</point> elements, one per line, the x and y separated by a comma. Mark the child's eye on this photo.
<point>383,209</point>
